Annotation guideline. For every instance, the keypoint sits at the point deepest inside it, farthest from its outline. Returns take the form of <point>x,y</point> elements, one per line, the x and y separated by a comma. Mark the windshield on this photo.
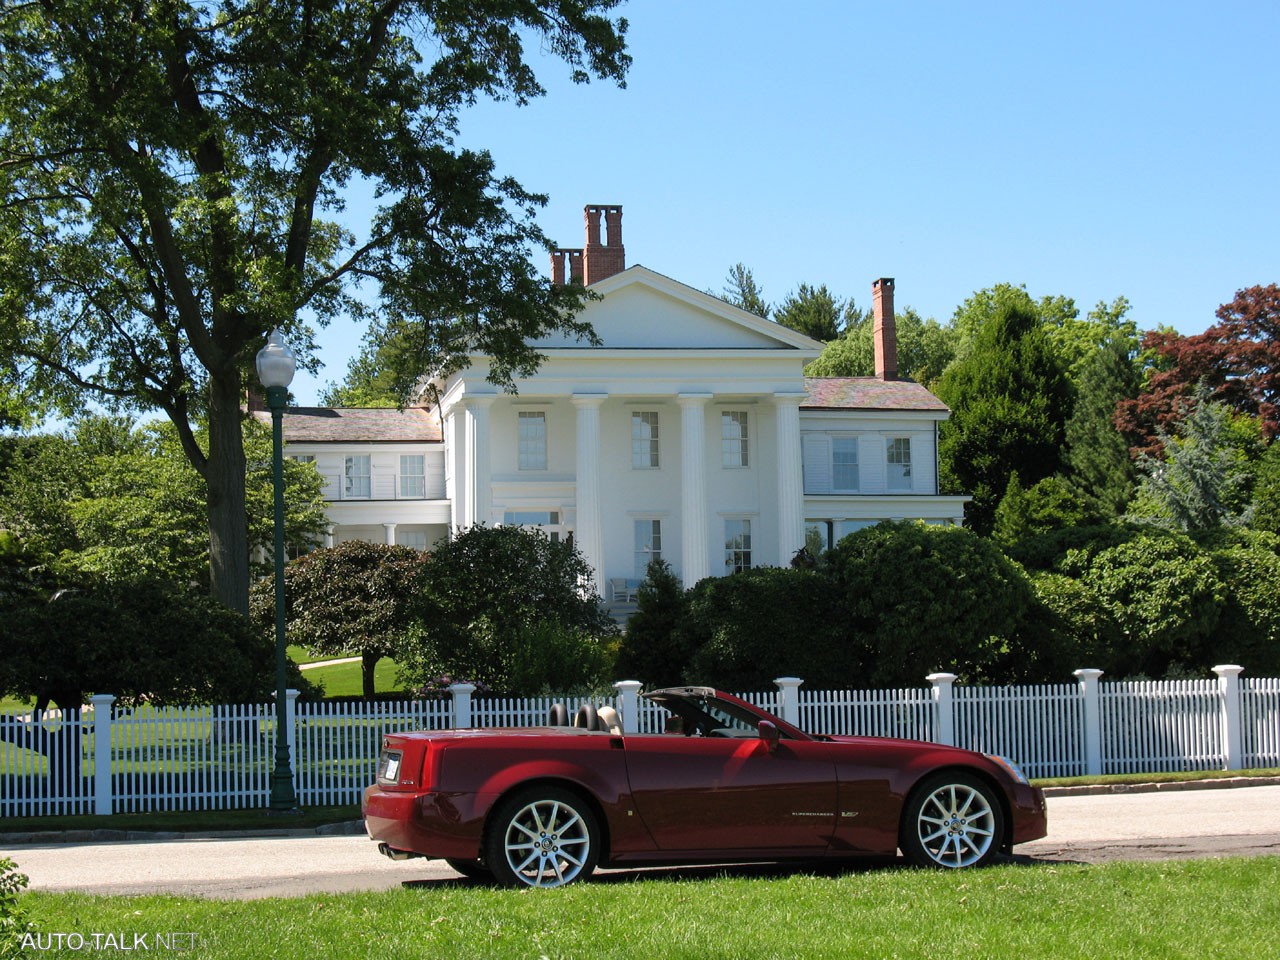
<point>698,712</point>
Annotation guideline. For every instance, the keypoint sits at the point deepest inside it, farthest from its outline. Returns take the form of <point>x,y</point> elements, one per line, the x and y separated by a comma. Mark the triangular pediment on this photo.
<point>639,309</point>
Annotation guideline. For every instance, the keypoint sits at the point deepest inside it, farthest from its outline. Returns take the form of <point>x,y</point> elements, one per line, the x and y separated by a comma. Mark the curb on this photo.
<point>1173,786</point>
<point>353,828</point>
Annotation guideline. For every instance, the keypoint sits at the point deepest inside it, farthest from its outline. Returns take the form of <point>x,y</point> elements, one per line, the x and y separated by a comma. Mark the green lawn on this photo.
<point>343,679</point>
<point>1207,908</point>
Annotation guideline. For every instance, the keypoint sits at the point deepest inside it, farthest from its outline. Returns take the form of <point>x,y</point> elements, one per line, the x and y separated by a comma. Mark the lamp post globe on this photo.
<point>276,365</point>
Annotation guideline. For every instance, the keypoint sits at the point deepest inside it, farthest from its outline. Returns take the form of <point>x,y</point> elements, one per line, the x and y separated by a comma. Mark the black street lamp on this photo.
<point>275,370</point>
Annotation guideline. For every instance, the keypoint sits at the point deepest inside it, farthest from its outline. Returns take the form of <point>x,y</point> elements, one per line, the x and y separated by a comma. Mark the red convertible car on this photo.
<point>726,782</point>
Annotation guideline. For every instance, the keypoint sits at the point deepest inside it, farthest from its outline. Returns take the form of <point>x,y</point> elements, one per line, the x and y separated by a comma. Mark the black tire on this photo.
<point>472,869</point>
<point>952,820</point>
<point>542,837</point>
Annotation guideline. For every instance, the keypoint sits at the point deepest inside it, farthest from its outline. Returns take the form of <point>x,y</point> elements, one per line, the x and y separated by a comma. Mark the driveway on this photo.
<point>1088,829</point>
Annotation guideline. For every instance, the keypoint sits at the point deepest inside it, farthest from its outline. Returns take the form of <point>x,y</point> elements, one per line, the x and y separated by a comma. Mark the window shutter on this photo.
<point>816,461</point>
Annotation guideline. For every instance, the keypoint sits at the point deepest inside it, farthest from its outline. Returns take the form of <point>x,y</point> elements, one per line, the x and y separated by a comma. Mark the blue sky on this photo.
<point>1090,150</point>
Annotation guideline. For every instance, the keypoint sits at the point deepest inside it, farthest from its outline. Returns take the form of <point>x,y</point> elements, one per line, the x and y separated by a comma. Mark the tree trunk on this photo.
<point>368,661</point>
<point>225,477</point>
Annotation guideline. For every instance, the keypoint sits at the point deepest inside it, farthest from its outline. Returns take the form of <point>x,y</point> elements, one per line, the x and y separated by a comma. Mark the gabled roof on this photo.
<point>358,425</point>
<point>690,319</point>
<point>868,393</point>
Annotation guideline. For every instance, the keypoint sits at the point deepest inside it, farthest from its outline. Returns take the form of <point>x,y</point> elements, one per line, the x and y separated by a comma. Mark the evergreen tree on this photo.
<point>814,311</point>
<point>1097,461</point>
<point>1009,401</point>
<point>1201,483</point>
<point>743,291</point>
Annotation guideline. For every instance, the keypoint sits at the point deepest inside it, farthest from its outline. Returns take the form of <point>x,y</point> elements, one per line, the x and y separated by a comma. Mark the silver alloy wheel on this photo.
<point>956,825</point>
<point>547,843</point>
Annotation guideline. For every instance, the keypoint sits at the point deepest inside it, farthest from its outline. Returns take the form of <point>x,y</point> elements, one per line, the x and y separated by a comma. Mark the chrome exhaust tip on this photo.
<point>394,854</point>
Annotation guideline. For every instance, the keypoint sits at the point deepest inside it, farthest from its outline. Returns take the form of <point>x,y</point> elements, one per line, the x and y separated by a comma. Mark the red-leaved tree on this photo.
<point>1238,358</point>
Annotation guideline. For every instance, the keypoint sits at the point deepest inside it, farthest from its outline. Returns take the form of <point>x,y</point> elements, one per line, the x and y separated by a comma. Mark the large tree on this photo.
<point>925,348</point>
<point>354,598</point>
<point>1009,400</point>
<point>1238,358</point>
<point>167,170</point>
<point>742,291</point>
<point>108,498</point>
<point>1096,460</point>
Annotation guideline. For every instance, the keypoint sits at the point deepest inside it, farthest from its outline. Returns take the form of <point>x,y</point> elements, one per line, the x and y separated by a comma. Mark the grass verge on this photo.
<point>1206,908</point>
<point>1177,777</point>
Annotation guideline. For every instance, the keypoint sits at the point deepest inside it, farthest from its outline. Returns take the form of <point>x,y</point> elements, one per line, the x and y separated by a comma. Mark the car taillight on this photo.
<point>406,764</point>
<point>389,766</point>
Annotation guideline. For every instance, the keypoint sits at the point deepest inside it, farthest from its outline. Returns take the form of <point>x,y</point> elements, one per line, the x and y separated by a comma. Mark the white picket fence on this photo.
<point>105,759</point>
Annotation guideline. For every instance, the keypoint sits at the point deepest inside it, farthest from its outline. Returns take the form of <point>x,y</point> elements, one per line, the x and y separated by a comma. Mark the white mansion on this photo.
<point>690,433</point>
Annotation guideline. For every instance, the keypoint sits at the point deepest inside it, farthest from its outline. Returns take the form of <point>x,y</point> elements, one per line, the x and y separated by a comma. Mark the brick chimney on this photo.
<point>883,330</point>
<point>566,261</point>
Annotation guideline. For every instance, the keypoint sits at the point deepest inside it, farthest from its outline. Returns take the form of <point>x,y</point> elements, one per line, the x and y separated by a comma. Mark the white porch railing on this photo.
<point>107,760</point>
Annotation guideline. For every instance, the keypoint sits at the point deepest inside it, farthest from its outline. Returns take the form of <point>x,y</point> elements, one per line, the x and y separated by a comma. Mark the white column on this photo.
<point>103,800</point>
<point>790,477</point>
<point>479,485</point>
<point>390,528</point>
<point>693,487</point>
<point>943,707</point>
<point>1091,695</point>
<point>1232,733</point>
<point>789,699</point>
<point>629,704</point>
<point>588,534</point>
<point>328,536</point>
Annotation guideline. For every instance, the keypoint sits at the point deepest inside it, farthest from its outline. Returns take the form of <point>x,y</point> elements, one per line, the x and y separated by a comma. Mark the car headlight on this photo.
<point>1009,765</point>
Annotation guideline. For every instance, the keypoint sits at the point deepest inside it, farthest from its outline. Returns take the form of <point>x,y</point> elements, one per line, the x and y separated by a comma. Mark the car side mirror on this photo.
<point>769,734</point>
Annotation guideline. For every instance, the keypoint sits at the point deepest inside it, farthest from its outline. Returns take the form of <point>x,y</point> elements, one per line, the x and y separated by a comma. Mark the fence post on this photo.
<point>102,793</point>
<point>629,704</point>
<point>1229,688</point>
<point>789,699</point>
<point>462,704</point>
<point>944,715</point>
<point>1088,678</point>
<point>291,734</point>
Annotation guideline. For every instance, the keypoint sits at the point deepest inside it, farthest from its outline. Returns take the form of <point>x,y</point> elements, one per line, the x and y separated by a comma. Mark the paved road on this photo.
<point>1146,826</point>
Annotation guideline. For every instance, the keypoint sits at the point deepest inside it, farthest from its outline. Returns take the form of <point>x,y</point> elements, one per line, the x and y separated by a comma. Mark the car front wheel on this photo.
<point>952,820</point>
<point>542,837</point>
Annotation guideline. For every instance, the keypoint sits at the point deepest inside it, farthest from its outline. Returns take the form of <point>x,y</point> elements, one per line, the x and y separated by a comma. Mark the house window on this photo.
<point>548,521</point>
<point>413,475</point>
<point>533,440</point>
<point>733,438</point>
<point>898,465</point>
<point>412,538</point>
<point>356,477</point>
<point>844,464</point>
<point>644,440</point>
<point>303,457</point>
<point>737,544</point>
<point>648,545</point>
<point>817,537</point>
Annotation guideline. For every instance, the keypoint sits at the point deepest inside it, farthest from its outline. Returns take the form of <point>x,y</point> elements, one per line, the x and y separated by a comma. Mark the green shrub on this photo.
<point>655,648</point>
<point>752,627</point>
<point>1164,595</point>
<point>13,918</point>
<point>483,594</point>
<point>922,598</point>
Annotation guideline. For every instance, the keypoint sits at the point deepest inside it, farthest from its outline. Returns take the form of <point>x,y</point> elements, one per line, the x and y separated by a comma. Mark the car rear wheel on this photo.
<point>542,837</point>
<point>952,820</point>
<point>472,869</point>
